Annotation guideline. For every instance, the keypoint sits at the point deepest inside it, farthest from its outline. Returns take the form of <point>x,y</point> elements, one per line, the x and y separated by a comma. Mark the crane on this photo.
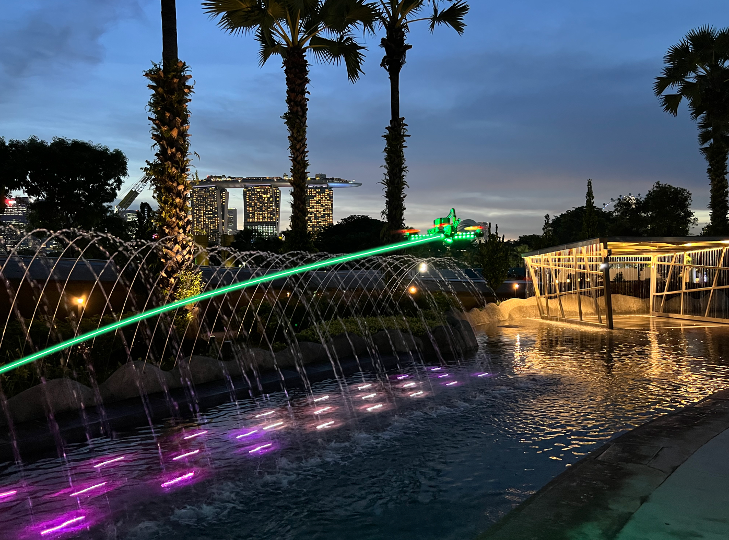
<point>137,188</point>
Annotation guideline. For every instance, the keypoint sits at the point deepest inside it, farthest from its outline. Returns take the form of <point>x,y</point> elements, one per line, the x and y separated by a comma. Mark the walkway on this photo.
<point>666,479</point>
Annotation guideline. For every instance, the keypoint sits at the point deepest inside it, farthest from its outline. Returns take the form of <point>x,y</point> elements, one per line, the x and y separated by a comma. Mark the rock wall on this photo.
<point>519,308</point>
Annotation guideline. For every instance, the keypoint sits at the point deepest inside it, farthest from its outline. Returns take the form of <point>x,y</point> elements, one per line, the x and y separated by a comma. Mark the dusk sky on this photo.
<point>507,122</point>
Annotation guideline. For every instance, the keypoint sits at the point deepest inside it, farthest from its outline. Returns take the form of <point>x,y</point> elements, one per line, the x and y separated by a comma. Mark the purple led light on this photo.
<point>187,454</point>
<point>269,413</point>
<point>325,409</point>
<point>363,387</point>
<point>435,369</point>
<point>401,377</point>
<point>198,434</point>
<point>409,385</point>
<point>272,426</point>
<point>179,479</point>
<point>323,398</point>
<point>7,494</point>
<point>108,461</point>
<point>451,383</point>
<point>326,425</point>
<point>86,490</point>
<point>374,407</point>
<point>243,435</point>
<point>260,447</point>
<point>62,526</point>
<point>416,394</point>
<point>368,396</point>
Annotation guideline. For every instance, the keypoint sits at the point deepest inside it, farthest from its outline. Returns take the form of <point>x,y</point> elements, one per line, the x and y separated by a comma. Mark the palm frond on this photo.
<point>237,16</point>
<point>334,51</point>
<point>344,16</point>
<point>269,45</point>
<point>451,16</point>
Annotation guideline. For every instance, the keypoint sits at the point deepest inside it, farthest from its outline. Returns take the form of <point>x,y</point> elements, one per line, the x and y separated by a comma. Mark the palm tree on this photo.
<point>395,16</point>
<point>698,69</point>
<point>169,82</point>
<point>290,29</point>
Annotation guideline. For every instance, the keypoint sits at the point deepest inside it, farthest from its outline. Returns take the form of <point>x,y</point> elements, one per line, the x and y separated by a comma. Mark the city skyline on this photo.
<point>527,105</point>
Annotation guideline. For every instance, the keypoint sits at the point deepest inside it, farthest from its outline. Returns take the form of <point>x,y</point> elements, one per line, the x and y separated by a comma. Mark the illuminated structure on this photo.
<point>262,209</point>
<point>685,277</point>
<point>15,214</point>
<point>231,226</point>
<point>447,228</point>
<point>209,212</point>
<point>319,208</point>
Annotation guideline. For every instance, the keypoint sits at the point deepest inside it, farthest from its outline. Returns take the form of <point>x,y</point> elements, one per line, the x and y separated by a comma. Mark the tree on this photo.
<point>492,255</point>
<point>353,233</point>
<point>146,222</point>
<point>589,219</point>
<point>665,211</point>
<point>698,69</point>
<point>395,16</point>
<point>12,168</point>
<point>73,182</point>
<point>668,211</point>
<point>170,117</point>
<point>290,29</point>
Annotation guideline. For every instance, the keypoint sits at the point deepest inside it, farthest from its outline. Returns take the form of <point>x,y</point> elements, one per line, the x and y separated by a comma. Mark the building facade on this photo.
<point>15,215</point>
<point>209,207</point>
<point>319,208</point>
<point>262,209</point>
<point>232,223</point>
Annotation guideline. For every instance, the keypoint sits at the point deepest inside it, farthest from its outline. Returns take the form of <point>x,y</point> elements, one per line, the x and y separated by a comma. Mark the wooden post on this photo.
<point>577,281</point>
<point>606,285</point>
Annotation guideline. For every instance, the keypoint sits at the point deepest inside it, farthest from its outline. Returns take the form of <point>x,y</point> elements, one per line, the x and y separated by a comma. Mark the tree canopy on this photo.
<point>73,182</point>
<point>353,233</point>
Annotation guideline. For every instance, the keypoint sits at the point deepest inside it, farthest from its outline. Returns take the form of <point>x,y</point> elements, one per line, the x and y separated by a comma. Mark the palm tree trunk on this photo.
<point>169,32</point>
<point>395,134</point>
<point>296,69</point>
<point>716,156</point>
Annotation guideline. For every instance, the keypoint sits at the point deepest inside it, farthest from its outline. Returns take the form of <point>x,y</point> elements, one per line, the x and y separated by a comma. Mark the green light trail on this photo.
<point>210,294</point>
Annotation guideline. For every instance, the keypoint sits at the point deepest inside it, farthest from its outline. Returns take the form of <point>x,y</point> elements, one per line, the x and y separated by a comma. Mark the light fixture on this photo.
<point>516,285</point>
<point>413,289</point>
<point>423,268</point>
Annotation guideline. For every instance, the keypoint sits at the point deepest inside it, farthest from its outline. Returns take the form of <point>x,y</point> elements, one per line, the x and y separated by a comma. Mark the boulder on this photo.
<point>135,377</point>
<point>346,345</point>
<point>258,359</point>
<point>61,395</point>
<point>306,352</point>
<point>394,341</point>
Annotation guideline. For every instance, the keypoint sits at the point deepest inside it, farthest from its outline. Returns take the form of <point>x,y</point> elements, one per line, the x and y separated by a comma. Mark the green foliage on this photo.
<point>146,222</point>
<point>664,211</point>
<point>253,240</point>
<point>589,218</point>
<point>73,182</point>
<point>351,234</point>
<point>189,283</point>
<point>697,69</point>
<point>492,255</point>
<point>352,325</point>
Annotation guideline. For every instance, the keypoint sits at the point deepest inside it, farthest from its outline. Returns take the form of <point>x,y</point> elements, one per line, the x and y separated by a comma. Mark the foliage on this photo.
<point>492,255</point>
<point>589,218</point>
<point>189,283</point>
<point>290,29</point>
<point>353,233</point>
<point>664,211</point>
<point>357,325</point>
<point>73,182</point>
<point>253,240</point>
<point>697,68</point>
<point>170,119</point>
<point>146,222</point>
<point>395,16</point>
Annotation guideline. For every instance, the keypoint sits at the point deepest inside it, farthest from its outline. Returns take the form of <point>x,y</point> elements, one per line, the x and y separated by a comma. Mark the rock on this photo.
<point>135,377</point>
<point>306,353</point>
<point>394,341</point>
<point>258,359</point>
<point>346,345</point>
<point>61,394</point>
<point>202,369</point>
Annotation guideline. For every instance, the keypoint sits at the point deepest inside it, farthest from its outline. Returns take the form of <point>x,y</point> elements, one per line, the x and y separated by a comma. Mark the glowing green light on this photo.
<point>211,294</point>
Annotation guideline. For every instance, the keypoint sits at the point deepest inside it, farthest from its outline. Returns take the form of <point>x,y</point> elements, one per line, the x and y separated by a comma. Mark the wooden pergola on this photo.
<point>685,277</point>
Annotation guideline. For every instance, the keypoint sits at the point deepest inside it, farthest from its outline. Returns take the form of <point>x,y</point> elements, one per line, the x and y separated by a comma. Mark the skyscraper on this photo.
<point>209,212</point>
<point>319,208</point>
<point>16,215</point>
<point>262,209</point>
<point>232,224</point>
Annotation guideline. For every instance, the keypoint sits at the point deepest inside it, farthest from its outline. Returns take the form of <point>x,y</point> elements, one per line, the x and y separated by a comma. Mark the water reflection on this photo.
<point>401,455</point>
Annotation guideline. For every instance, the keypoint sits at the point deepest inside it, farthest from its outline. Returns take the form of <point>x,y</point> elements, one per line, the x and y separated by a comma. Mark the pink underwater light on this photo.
<point>198,434</point>
<point>61,526</point>
<point>179,479</point>
<point>87,490</point>
<point>186,454</point>
<point>108,462</point>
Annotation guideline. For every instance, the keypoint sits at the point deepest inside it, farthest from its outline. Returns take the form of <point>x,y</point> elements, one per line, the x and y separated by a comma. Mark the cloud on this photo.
<point>48,35</point>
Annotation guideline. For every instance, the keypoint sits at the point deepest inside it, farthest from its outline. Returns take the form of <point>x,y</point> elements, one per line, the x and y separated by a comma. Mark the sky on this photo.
<point>507,122</point>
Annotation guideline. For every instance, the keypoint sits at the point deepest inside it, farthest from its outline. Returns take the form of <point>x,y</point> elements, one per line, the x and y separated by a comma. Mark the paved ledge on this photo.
<point>664,479</point>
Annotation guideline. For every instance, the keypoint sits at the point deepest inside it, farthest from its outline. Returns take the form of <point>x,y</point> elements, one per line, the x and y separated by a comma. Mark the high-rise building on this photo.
<point>209,212</point>
<point>262,209</point>
<point>232,224</point>
<point>319,208</point>
<point>15,215</point>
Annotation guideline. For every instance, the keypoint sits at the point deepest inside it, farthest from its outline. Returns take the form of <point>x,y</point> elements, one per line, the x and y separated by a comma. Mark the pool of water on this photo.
<point>408,454</point>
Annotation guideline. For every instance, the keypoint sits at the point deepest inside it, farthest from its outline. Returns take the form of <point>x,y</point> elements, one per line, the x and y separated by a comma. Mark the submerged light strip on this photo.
<point>211,294</point>
<point>99,465</point>
<point>63,525</point>
<point>247,434</point>
<point>86,490</point>
<point>178,479</point>
<point>194,435</point>
<point>188,454</point>
<point>8,494</point>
